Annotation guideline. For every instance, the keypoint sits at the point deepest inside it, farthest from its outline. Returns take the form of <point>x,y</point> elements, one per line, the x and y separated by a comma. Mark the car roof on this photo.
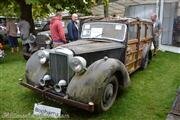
<point>125,20</point>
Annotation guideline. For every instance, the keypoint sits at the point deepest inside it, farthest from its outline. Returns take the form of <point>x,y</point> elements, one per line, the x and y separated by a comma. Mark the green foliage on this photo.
<point>9,8</point>
<point>42,8</point>
<point>41,11</point>
<point>32,1</point>
<point>106,2</point>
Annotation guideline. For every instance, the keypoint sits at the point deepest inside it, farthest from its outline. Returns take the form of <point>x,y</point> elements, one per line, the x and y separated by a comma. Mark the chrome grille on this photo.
<point>59,68</point>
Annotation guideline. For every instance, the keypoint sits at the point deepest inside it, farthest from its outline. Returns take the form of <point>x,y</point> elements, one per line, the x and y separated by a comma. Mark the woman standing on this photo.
<point>11,29</point>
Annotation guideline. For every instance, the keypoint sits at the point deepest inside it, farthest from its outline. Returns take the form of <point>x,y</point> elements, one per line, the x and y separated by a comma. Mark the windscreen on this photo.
<point>104,30</point>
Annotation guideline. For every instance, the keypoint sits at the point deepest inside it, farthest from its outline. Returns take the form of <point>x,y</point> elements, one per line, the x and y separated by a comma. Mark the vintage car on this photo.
<point>1,49</point>
<point>35,43</point>
<point>43,38</point>
<point>89,72</point>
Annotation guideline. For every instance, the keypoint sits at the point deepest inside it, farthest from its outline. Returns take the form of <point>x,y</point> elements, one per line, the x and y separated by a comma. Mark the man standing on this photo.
<point>156,31</point>
<point>73,31</point>
<point>24,28</point>
<point>57,30</point>
<point>11,29</point>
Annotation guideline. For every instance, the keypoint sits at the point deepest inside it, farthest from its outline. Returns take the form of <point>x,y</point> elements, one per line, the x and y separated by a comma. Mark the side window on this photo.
<point>143,30</point>
<point>149,30</point>
<point>132,33</point>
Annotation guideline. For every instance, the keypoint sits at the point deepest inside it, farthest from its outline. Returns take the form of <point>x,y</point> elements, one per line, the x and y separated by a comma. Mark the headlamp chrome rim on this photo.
<point>44,80</point>
<point>43,56</point>
<point>78,64</point>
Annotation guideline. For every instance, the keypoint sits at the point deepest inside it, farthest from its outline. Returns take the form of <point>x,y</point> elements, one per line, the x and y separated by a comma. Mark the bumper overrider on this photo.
<point>55,97</point>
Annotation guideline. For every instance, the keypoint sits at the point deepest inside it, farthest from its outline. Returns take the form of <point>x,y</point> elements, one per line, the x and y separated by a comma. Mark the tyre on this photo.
<point>26,57</point>
<point>25,51</point>
<point>145,62</point>
<point>108,94</point>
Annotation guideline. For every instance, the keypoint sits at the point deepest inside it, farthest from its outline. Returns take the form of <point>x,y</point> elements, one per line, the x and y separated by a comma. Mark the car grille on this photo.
<point>59,68</point>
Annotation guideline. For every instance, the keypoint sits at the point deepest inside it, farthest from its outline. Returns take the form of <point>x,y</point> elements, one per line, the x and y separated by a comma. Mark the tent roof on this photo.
<point>118,6</point>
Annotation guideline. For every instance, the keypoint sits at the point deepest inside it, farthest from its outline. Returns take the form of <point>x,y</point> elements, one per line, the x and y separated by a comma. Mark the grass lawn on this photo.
<point>149,97</point>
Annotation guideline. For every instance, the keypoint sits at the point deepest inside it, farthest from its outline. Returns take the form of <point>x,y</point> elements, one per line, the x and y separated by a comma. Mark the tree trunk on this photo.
<point>106,8</point>
<point>106,11</point>
<point>26,13</point>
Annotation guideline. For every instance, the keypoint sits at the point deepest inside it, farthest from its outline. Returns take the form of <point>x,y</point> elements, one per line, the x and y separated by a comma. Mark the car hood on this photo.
<point>88,46</point>
<point>44,33</point>
<point>49,33</point>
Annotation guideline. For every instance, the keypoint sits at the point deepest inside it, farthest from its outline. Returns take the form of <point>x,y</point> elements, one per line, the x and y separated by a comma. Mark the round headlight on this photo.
<point>43,56</point>
<point>48,42</point>
<point>78,64</point>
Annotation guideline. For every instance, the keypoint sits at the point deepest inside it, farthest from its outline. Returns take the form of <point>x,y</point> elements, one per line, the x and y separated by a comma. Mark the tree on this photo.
<point>26,13</point>
<point>106,6</point>
<point>9,9</point>
<point>25,7</point>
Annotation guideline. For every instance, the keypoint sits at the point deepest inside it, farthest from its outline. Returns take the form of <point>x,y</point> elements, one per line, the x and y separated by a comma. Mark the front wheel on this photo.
<point>26,57</point>
<point>108,95</point>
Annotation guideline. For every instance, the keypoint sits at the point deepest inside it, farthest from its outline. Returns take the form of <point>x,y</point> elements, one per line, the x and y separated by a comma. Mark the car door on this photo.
<point>132,47</point>
<point>145,41</point>
<point>139,41</point>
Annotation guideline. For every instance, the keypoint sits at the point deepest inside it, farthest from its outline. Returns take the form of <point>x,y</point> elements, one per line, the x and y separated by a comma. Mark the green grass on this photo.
<point>149,97</point>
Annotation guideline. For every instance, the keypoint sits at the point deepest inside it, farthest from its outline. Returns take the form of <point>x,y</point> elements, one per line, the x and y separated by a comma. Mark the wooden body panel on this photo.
<point>137,45</point>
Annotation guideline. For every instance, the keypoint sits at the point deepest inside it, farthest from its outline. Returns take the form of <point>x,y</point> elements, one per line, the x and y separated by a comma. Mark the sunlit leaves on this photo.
<point>42,8</point>
<point>32,1</point>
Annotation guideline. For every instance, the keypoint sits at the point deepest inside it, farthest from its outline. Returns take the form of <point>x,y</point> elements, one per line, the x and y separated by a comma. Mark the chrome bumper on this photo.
<point>59,99</point>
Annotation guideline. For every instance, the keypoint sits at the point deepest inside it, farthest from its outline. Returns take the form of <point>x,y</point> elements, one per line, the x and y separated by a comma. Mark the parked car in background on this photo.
<point>46,29</point>
<point>176,32</point>
<point>1,54</point>
<point>88,73</point>
<point>1,49</point>
<point>39,25</point>
<point>43,38</point>
<point>39,42</point>
<point>3,36</point>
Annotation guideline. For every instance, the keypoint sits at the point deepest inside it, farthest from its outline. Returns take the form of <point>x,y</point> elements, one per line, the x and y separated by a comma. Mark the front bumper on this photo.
<point>59,99</point>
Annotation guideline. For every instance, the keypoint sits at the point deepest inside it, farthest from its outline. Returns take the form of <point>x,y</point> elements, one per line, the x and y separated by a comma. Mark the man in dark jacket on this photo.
<point>72,27</point>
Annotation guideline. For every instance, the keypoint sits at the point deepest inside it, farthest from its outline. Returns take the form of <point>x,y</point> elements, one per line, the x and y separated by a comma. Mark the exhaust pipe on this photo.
<point>58,86</point>
<point>44,80</point>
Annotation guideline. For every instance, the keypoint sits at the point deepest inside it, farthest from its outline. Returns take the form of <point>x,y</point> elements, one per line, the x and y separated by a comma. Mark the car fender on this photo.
<point>85,87</point>
<point>35,70</point>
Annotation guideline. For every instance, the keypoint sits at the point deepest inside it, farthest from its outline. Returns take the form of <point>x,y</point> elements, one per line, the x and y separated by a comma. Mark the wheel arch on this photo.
<point>87,86</point>
<point>122,79</point>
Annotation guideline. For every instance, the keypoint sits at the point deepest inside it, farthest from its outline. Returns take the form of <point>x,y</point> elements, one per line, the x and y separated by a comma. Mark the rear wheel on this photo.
<point>108,95</point>
<point>145,62</point>
<point>26,51</point>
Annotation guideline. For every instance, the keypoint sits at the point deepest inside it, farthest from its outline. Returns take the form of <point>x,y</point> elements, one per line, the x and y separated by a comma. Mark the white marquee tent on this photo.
<point>167,10</point>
